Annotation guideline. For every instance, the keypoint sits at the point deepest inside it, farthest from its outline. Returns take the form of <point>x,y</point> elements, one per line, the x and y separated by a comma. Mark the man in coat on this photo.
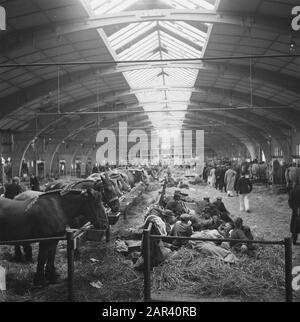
<point>34,183</point>
<point>176,205</point>
<point>224,213</point>
<point>229,180</point>
<point>243,188</point>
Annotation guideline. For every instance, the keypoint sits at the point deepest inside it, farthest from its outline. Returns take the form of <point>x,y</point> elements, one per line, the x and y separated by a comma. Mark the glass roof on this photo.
<point>101,7</point>
<point>158,40</point>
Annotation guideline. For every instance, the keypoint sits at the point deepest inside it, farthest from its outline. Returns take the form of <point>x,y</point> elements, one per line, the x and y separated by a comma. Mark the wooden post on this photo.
<point>125,214</point>
<point>288,269</point>
<point>147,264</point>
<point>107,234</point>
<point>70,254</point>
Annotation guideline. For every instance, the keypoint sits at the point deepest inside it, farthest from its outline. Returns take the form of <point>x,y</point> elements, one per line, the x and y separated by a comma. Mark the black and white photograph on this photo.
<point>149,154</point>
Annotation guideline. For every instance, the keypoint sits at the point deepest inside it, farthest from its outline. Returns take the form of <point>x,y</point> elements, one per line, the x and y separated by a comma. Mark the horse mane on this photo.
<point>62,193</point>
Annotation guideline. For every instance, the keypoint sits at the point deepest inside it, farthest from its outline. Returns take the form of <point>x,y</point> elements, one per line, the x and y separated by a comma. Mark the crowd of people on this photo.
<point>174,219</point>
<point>232,180</point>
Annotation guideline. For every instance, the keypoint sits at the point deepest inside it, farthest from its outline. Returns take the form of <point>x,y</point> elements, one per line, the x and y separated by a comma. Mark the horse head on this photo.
<point>109,193</point>
<point>93,209</point>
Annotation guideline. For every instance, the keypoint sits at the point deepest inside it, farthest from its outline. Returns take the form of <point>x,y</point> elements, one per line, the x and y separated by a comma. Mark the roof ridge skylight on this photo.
<point>158,40</point>
<point>102,7</point>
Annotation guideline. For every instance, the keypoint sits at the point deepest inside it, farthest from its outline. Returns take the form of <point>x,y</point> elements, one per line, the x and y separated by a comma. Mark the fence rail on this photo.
<point>287,243</point>
<point>71,237</point>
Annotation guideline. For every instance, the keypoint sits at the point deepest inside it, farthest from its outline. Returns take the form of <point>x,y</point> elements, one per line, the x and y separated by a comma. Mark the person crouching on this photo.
<point>182,228</point>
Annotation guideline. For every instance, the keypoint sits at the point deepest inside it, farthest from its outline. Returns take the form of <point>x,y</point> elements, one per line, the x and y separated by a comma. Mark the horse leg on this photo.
<point>295,237</point>
<point>51,275</point>
<point>39,279</point>
<point>28,252</point>
<point>77,255</point>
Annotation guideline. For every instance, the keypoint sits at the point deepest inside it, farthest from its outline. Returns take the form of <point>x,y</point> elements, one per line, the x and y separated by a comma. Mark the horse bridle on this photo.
<point>113,199</point>
<point>103,193</point>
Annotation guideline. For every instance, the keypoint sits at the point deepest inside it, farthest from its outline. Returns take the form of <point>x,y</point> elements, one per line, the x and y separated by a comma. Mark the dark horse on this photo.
<point>104,185</point>
<point>294,204</point>
<point>48,215</point>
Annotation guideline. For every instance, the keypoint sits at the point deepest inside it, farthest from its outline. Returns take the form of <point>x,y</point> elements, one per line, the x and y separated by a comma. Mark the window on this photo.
<point>278,152</point>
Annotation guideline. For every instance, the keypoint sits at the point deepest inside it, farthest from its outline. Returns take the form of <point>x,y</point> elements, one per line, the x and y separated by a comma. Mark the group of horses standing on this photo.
<point>64,203</point>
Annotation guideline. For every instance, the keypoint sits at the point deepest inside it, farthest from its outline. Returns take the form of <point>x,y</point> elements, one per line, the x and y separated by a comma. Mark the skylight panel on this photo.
<point>178,96</point>
<point>141,48</point>
<point>151,96</point>
<point>190,4</point>
<point>144,78</point>
<point>101,7</point>
<point>156,40</point>
<point>133,31</point>
<point>185,50</point>
<point>192,34</point>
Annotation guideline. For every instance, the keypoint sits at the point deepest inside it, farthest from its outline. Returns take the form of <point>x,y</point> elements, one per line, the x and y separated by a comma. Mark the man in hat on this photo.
<point>176,205</point>
<point>182,228</point>
<point>224,213</point>
<point>169,219</point>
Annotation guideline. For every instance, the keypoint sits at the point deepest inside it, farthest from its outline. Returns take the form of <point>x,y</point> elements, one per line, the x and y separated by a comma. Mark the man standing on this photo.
<point>229,180</point>
<point>34,183</point>
<point>243,188</point>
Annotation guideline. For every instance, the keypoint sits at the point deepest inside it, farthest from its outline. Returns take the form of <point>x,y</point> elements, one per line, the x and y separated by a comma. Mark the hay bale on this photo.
<point>257,278</point>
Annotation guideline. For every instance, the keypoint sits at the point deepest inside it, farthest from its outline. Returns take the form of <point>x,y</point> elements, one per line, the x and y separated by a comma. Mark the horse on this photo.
<point>294,204</point>
<point>101,183</point>
<point>120,180</point>
<point>136,176</point>
<point>45,216</point>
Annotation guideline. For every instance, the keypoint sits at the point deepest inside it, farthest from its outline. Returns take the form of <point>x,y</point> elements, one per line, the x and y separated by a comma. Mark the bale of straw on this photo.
<point>257,278</point>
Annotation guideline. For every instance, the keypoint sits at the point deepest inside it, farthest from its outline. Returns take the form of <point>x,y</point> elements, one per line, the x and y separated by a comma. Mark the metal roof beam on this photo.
<point>33,35</point>
<point>13,101</point>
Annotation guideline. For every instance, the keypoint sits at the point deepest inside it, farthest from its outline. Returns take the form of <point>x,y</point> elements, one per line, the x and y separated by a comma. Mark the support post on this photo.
<point>125,214</point>
<point>107,234</point>
<point>70,254</point>
<point>288,269</point>
<point>147,264</point>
